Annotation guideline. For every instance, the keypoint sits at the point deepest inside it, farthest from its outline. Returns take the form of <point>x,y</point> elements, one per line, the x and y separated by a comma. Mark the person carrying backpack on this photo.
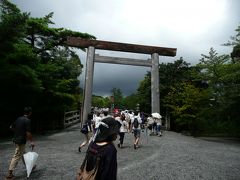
<point>123,129</point>
<point>100,162</point>
<point>136,127</point>
<point>85,130</point>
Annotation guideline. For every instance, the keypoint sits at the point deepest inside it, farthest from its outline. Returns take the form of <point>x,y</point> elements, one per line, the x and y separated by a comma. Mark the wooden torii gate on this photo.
<point>115,46</point>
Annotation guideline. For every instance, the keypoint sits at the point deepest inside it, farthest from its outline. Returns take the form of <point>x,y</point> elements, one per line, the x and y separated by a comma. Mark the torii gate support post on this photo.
<point>155,83</point>
<point>87,96</point>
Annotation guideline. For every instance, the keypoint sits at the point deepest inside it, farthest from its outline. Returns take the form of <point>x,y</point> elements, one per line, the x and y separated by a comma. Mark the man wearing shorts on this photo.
<point>136,127</point>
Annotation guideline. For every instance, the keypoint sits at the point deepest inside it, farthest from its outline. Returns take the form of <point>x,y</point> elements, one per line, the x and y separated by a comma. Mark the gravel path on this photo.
<point>170,157</point>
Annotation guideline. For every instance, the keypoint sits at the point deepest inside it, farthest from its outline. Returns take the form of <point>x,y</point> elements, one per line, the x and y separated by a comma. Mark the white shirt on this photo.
<point>158,121</point>
<point>124,126</point>
<point>150,121</point>
<point>97,119</point>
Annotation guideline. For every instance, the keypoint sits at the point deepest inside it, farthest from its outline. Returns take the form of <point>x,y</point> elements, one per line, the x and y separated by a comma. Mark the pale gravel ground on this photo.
<point>170,157</point>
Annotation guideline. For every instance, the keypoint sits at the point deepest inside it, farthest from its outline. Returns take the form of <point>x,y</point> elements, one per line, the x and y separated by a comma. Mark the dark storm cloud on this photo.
<point>109,76</point>
<point>193,27</point>
<point>126,78</point>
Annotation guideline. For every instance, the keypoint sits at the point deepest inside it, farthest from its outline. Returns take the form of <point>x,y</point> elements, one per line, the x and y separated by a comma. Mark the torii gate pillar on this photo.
<point>155,96</point>
<point>87,93</point>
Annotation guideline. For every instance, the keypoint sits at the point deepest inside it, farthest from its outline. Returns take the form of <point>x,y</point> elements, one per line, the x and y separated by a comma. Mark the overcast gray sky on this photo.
<point>191,26</point>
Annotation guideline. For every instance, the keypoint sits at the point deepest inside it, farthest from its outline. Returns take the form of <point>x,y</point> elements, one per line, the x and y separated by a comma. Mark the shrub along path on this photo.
<point>172,156</point>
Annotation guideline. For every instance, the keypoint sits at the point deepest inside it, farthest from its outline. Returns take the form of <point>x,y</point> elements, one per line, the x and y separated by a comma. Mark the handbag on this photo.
<point>84,129</point>
<point>88,175</point>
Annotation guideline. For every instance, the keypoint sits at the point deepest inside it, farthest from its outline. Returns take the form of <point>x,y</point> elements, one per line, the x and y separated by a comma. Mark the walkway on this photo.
<point>170,157</point>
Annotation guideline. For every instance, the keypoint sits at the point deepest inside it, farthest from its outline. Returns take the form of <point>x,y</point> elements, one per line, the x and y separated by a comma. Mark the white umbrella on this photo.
<point>156,115</point>
<point>30,159</point>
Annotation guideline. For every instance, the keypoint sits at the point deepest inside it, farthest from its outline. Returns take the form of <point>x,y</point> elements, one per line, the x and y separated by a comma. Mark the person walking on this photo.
<point>105,114</point>
<point>136,127</point>
<point>96,121</point>
<point>128,119</point>
<point>123,129</point>
<point>85,130</point>
<point>158,126</point>
<point>100,162</point>
<point>22,134</point>
<point>150,124</point>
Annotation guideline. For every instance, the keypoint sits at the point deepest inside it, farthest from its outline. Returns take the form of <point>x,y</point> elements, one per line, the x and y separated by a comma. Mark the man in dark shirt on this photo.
<point>22,129</point>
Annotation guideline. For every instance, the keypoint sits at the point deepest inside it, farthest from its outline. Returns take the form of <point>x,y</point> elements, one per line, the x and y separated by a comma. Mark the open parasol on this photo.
<point>156,115</point>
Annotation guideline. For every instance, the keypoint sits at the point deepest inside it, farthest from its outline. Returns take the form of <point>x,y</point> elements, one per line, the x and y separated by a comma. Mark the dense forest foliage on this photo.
<point>203,99</point>
<point>38,70</point>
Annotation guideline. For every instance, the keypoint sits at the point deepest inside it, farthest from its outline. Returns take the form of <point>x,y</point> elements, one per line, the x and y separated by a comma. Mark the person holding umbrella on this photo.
<point>157,117</point>
<point>22,133</point>
<point>100,161</point>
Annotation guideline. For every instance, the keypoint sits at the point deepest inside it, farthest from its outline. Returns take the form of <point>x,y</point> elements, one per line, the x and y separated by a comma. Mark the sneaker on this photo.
<point>10,177</point>
<point>135,147</point>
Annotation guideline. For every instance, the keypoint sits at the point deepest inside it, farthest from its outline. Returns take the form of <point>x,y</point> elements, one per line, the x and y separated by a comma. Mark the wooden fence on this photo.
<point>71,118</point>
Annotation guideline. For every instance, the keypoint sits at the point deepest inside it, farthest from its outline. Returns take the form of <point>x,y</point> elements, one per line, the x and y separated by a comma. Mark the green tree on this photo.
<point>185,103</point>
<point>19,81</point>
<point>222,75</point>
<point>46,40</point>
<point>12,27</point>
<point>170,75</point>
<point>129,102</point>
<point>36,68</point>
<point>211,71</point>
<point>107,102</point>
<point>143,96</point>
<point>235,43</point>
<point>98,101</point>
<point>118,97</point>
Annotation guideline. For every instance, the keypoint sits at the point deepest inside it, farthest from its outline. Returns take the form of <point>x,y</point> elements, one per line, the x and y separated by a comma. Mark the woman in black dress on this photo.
<point>100,162</point>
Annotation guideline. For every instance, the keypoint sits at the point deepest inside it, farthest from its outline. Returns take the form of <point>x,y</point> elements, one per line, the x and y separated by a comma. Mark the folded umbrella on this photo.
<point>30,159</point>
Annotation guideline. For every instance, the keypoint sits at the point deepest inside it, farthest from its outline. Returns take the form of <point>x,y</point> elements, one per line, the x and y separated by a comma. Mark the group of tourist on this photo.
<point>100,161</point>
<point>101,124</point>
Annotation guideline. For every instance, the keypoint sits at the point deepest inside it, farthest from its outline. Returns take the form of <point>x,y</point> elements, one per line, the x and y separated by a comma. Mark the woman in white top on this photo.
<point>123,129</point>
<point>96,121</point>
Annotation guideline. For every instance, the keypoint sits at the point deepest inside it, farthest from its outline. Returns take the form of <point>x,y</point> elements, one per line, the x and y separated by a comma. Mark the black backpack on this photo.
<point>135,123</point>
